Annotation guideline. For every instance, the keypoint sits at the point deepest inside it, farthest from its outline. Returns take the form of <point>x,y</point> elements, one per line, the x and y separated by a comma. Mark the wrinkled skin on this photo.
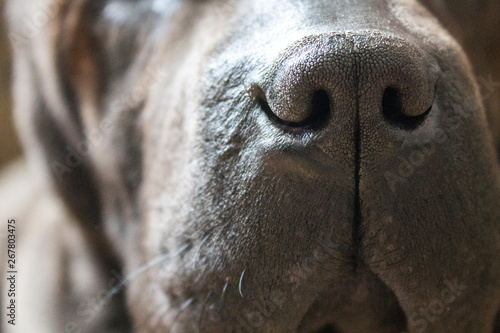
<point>270,159</point>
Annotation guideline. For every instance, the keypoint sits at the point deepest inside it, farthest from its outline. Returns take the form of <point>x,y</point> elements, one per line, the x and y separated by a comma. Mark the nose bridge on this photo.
<point>352,15</point>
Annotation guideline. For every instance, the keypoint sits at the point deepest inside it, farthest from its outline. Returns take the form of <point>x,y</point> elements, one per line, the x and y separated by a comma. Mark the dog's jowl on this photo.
<point>258,166</point>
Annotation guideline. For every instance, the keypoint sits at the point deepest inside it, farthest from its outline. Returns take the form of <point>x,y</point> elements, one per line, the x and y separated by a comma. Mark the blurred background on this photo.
<point>9,144</point>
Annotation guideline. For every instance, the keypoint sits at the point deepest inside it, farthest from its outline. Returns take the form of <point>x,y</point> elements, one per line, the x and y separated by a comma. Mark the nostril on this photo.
<point>318,114</point>
<point>394,113</point>
<point>320,107</point>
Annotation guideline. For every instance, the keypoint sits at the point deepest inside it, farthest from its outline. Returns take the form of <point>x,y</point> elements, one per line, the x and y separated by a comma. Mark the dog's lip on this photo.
<point>337,308</point>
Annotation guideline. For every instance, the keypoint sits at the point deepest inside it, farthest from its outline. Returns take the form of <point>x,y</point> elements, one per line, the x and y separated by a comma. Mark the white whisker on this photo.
<point>152,263</point>
<point>186,304</point>
<point>241,280</point>
<point>224,290</point>
<point>198,250</point>
<point>203,310</point>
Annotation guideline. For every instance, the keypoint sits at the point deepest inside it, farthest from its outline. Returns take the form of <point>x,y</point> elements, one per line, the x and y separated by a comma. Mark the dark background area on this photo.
<point>9,145</point>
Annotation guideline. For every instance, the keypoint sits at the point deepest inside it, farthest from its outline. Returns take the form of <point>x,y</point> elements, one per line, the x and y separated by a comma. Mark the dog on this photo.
<point>255,166</point>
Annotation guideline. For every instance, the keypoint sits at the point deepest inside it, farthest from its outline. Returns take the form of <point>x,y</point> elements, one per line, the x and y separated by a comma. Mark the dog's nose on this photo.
<point>306,84</point>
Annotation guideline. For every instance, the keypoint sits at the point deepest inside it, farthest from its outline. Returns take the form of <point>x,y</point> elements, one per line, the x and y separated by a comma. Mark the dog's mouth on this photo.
<point>328,328</point>
<point>333,328</point>
<point>324,328</point>
<point>365,304</point>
